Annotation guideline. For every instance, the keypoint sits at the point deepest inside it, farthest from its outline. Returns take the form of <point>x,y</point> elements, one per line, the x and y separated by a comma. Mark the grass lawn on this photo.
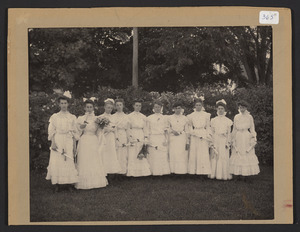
<point>161,198</point>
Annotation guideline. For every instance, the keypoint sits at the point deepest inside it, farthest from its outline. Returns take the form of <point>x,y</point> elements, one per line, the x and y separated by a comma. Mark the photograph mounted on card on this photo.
<point>140,116</point>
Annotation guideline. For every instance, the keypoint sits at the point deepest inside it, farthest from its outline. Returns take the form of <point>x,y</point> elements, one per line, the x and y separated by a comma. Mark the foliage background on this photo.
<point>232,63</point>
<point>43,105</point>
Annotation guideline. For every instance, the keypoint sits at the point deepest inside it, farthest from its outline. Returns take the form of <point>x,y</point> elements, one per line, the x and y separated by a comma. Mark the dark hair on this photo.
<point>63,98</point>
<point>157,102</point>
<point>221,104</point>
<point>137,100</point>
<point>120,100</point>
<point>198,100</point>
<point>177,103</point>
<point>243,103</point>
<point>88,101</point>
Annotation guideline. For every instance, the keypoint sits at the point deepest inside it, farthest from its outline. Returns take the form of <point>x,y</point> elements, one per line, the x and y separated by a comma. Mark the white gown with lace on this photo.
<point>61,168</point>
<point>199,161</point>
<point>243,160</point>
<point>89,161</point>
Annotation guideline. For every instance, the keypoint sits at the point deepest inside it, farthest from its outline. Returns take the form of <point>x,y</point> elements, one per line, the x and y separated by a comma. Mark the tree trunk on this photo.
<point>135,58</point>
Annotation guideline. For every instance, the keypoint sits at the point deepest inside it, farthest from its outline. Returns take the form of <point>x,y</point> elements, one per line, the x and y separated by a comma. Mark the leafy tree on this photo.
<point>170,59</point>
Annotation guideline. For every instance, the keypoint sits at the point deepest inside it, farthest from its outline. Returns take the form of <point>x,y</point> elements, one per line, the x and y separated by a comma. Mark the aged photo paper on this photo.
<point>21,20</point>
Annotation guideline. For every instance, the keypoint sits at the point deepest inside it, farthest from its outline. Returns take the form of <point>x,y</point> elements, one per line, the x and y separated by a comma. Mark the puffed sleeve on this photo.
<point>145,126</point>
<point>252,128</point>
<point>208,122</point>
<point>79,121</point>
<point>76,133</point>
<point>148,127</point>
<point>166,122</point>
<point>233,133</point>
<point>229,138</point>
<point>212,124</point>
<point>187,126</point>
<point>52,127</point>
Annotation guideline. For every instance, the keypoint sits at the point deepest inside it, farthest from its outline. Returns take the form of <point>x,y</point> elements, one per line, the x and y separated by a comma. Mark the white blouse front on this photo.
<point>120,120</point>
<point>244,122</point>
<point>136,120</point>
<point>157,124</point>
<point>91,126</point>
<point>178,123</point>
<point>62,123</point>
<point>220,124</point>
<point>199,120</point>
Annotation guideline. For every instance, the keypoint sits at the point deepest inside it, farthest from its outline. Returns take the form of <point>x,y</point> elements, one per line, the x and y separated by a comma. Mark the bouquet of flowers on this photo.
<point>143,152</point>
<point>102,122</point>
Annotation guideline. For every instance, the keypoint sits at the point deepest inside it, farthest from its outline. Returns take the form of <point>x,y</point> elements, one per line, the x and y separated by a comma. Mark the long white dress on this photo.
<point>61,168</point>
<point>89,161</point>
<point>121,123</point>
<point>199,161</point>
<point>108,151</point>
<point>137,125</point>
<point>243,160</point>
<point>177,144</point>
<point>221,128</point>
<point>158,158</point>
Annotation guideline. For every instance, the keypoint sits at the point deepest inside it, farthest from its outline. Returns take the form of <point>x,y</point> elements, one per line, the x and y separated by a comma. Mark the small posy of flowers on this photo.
<point>143,152</point>
<point>102,122</point>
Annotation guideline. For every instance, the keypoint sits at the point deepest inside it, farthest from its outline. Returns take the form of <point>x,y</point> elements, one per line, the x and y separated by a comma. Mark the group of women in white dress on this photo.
<point>175,144</point>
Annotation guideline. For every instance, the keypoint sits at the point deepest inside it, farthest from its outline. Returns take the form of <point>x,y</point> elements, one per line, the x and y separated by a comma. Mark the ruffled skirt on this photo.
<point>89,164</point>
<point>62,170</point>
<point>242,162</point>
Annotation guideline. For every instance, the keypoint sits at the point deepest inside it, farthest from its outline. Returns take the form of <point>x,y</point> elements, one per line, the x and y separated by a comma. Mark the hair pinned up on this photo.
<point>243,103</point>
<point>63,98</point>
<point>120,100</point>
<point>137,100</point>
<point>157,102</point>
<point>109,101</point>
<point>177,104</point>
<point>198,100</point>
<point>89,101</point>
<point>221,102</point>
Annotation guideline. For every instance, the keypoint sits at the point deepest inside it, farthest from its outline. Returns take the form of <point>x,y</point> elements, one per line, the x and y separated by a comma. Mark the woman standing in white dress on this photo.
<point>178,140</point>
<point>221,134</point>
<point>157,126</point>
<point>199,120</point>
<point>137,137</point>
<point>107,140</point>
<point>243,160</point>
<point>121,123</point>
<point>89,161</point>
<point>63,135</point>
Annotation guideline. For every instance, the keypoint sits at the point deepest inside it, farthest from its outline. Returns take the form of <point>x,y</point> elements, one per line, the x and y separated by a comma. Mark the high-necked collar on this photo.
<point>90,113</point>
<point>221,115</point>
<point>64,112</point>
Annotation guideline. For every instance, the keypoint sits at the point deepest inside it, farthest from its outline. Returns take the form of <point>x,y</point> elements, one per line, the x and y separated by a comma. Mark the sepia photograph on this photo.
<point>151,123</point>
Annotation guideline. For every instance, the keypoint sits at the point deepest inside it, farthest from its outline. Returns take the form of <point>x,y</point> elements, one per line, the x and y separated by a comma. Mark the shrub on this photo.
<point>43,105</point>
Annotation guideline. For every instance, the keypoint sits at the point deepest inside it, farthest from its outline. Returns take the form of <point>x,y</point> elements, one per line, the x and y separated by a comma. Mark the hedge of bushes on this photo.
<point>43,105</point>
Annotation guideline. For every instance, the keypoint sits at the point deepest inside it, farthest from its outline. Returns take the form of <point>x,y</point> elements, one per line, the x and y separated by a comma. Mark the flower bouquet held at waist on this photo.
<point>102,122</point>
<point>143,152</point>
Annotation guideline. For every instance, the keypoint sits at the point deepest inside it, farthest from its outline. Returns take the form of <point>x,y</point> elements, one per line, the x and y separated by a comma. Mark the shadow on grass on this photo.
<point>159,198</point>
